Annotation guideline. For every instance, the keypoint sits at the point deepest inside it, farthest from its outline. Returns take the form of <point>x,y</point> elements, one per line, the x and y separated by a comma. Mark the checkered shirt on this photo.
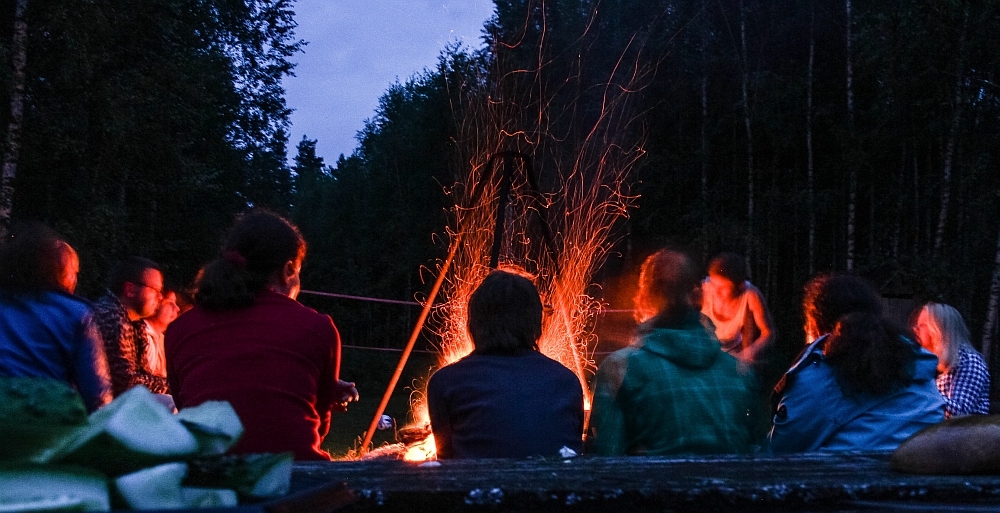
<point>966,387</point>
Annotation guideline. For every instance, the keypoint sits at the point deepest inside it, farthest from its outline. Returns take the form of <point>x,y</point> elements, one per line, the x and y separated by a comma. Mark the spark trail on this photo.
<point>580,122</point>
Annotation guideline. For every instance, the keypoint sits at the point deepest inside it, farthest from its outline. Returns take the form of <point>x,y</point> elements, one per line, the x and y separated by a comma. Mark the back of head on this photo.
<point>129,270</point>
<point>32,258</point>
<point>950,329</point>
<point>869,354</point>
<point>257,247</point>
<point>666,280</point>
<point>828,297</point>
<point>729,266</point>
<point>505,315</point>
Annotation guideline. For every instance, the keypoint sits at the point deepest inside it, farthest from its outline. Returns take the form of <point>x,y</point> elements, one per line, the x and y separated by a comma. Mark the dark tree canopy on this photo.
<point>149,124</point>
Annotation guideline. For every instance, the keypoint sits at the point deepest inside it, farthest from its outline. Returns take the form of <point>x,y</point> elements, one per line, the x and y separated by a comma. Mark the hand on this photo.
<point>344,392</point>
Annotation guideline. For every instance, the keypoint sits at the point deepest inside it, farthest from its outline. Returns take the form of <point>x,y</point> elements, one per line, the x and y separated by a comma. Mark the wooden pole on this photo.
<point>409,345</point>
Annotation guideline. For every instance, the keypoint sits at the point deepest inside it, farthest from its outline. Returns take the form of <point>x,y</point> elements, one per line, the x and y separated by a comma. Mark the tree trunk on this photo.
<point>916,203</point>
<point>989,327</point>
<point>749,133</point>
<point>19,52</point>
<point>852,181</point>
<point>704,139</point>
<point>810,183</point>
<point>950,147</point>
<point>897,227</point>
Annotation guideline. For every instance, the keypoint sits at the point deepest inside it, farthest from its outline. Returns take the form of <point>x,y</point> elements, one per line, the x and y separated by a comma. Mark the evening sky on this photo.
<point>358,48</point>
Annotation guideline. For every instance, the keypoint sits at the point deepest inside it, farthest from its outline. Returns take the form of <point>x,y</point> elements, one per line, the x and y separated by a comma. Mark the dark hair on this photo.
<point>258,246</point>
<point>129,270</point>
<point>828,297</point>
<point>730,266</point>
<point>31,258</point>
<point>505,315</point>
<point>666,279</point>
<point>869,354</point>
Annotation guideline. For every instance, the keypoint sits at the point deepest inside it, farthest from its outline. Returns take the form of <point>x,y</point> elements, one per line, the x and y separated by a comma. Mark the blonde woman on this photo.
<point>963,378</point>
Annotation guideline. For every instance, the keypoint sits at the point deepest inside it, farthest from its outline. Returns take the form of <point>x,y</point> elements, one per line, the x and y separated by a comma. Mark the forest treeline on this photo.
<point>809,135</point>
<point>148,124</point>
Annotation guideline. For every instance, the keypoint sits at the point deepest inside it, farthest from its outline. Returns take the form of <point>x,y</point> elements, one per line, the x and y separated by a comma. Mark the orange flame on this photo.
<point>587,168</point>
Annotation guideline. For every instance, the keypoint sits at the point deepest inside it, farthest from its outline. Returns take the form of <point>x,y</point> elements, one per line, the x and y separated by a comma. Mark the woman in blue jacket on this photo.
<point>861,384</point>
<point>46,331</point>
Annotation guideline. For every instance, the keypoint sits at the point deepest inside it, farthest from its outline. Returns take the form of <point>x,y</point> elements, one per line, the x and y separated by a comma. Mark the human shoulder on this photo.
<point>553,368</point>
<point>76,305</point>
<point>615,364</point>
<point>295,311</point>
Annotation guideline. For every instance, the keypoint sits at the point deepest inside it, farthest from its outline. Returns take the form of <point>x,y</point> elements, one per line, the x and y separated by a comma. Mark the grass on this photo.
<point>371,370</point>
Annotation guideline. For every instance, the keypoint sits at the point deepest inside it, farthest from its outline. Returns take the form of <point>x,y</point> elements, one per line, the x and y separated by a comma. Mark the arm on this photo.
<point>90,366</point>
<point>803,420</point>
<point>970,380</point>
<point>334,394</point>
<point>172,378</point>
<point>437,409</point>
<point>607,436</point>
<point>762,318</point>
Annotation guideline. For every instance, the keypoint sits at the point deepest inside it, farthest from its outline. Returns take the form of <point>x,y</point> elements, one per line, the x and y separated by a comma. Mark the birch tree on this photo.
<point>810,178</point>
<point>12,147</point>
<point>749,135</point>
<point>852,180</point>
<point>989,327</point>
<point>952,135</point>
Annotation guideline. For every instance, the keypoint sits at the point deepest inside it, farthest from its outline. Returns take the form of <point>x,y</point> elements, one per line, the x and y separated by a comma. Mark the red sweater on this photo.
<point>276,362</point>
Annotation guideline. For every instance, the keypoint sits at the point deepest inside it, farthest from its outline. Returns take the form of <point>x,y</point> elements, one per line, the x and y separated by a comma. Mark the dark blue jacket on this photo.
<point>813,413</point>
<point>53,335</point>
<point>505,407</point>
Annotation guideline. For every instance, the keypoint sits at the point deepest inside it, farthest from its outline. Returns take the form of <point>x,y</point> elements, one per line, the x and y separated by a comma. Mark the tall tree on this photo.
<point>852,180</point>
<point>12,148</point>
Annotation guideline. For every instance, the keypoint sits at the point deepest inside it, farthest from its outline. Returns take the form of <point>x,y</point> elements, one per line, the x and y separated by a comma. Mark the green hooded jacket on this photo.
<point>673,392</point>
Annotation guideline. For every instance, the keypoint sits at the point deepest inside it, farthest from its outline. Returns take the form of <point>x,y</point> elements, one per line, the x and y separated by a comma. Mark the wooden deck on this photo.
<point>843,482</point>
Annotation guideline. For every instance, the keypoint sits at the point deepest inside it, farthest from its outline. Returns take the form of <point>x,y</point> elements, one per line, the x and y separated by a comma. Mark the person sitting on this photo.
<point>134,291</point>
<point>45,331</point>
<point>155,327</point>
<point>963,378</point>
<point>736,308</point>
<point>861,384</point>
<point>248,341</point>
<point>506,399</point>
<point>674,391</point>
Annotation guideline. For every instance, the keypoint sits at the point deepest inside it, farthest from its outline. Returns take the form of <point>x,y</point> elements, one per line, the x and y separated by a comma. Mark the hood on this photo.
<point>688,345</point>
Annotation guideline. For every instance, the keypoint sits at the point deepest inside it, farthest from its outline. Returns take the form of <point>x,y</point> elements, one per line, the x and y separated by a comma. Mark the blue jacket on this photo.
<point>53,335</point>
<point>813,414</point>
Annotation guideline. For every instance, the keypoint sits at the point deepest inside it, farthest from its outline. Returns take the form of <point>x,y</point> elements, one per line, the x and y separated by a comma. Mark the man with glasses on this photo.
<point>135,289</point>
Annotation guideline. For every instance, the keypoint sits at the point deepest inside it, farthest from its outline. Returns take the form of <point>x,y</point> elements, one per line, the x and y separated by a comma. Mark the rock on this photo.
<point>963,445</point>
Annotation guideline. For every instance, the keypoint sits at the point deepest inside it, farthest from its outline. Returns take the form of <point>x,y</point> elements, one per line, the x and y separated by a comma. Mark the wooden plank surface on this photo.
<point>840,482</point>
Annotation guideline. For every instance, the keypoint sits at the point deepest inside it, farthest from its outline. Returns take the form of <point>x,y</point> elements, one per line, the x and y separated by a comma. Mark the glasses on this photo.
<point>159,291</point>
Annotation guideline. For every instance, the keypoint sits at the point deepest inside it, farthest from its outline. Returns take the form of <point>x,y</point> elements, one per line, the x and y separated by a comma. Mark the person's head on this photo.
<point>505,315</point>
<point>138,284</point>
<point>185,299</point>
<point>34,258</point>
<point>166,312</point>
<point>262,251</point>
<point>828,297</point>
<point>869,354</point>
<point>727,272</point>
<point>69,266</point>
<point>940,329</point>
<point>668,281</point>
